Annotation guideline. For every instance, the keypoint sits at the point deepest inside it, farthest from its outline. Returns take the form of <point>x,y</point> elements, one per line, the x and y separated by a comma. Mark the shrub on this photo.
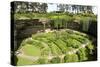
<point>71,58</point>
<point>55,60</point>
<point>41,60</point>
<point>82,54</point>
<point>90,46</point>
<point>73,43</point>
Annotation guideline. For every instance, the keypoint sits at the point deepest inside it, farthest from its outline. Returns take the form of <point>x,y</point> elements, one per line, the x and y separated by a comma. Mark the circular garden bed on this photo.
<point>55,47</point>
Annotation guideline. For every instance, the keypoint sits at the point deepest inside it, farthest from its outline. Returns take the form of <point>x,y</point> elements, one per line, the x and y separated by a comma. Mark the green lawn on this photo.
<point>57,43</point>
<point>23,61</point>
<point>52,42</point>
<point>31,50</point>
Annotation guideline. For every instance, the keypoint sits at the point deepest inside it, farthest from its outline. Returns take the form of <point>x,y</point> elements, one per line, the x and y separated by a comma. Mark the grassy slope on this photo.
<point>23,61</point>
<point>31,50</point>
<point>48,38</point>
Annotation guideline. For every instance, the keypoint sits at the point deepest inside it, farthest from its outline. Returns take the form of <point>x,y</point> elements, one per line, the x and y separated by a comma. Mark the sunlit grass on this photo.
<point>31,50</point>
<point>24,61</point>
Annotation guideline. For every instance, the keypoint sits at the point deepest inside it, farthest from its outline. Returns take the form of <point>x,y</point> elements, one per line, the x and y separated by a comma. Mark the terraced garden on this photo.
<point>55,46</point>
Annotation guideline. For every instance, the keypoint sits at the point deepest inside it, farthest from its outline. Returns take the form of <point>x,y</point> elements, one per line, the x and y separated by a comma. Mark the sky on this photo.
<point>95,10</point>
<point>53,7</point>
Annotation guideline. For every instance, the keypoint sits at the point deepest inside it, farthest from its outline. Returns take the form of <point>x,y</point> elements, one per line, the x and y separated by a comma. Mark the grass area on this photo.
<point>55,43</point>
<point>23,61</point>
<point>31,50</point>
<point>53,16</point>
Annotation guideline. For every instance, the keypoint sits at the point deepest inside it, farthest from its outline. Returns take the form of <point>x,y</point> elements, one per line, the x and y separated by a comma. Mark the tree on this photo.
<point>89,9</point>
<point>34,6</point>
<point>67,7</point>
<point>75,8</point>
<point>86,9</point>
<point>23,7</point>
<point>39,7</point>
<point>20,6</point>
<point>71,58</point>
<point>17,6</point>
<point>82,54</point>
<point>41,61</point>
<point>43,8</point>
<point>61,7</point>
<point>55,60</point>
